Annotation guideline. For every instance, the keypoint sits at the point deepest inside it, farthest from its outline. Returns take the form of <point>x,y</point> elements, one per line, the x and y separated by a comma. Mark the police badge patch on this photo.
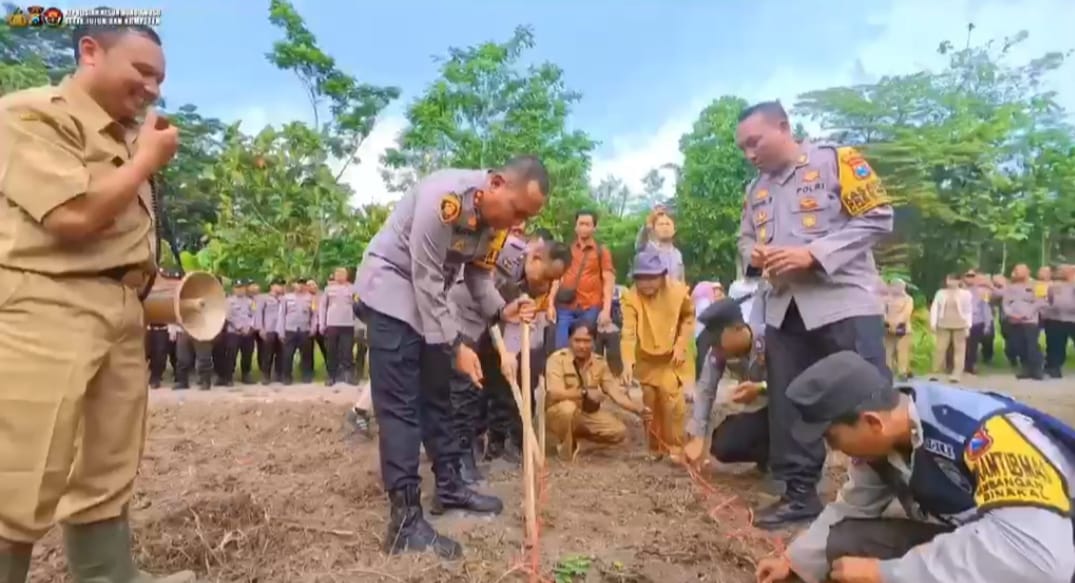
<point>450,208</point>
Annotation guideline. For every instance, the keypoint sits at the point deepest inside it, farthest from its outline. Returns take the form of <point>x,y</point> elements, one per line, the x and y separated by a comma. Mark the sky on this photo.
<point>645,68</point>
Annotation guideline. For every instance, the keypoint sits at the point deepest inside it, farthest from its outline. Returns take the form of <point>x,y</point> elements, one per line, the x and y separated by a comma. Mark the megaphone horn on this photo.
<point>196,303</point>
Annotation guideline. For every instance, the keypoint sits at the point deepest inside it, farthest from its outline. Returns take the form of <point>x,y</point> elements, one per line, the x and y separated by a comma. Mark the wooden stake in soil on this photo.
<point>529,495</point>
<point>516,393</point>
<point>541,397</point>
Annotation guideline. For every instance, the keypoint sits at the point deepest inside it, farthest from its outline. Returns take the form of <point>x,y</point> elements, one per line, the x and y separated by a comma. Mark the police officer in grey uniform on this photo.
<point>1022,310</point>
<point>238,334</point>
<point>982,479</point>
<point>471,406</point>
<point>448,222</point>
<point>1062,299</point>
<point>295,323</point>
<point>809,222</point>
<point>267,323</point>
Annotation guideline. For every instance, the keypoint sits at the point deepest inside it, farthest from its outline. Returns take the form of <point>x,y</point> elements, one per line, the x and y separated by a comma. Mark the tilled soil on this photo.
<point>265,486</point>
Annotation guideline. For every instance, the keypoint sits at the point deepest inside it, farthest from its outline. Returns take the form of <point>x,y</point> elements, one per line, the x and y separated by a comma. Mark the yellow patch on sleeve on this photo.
<point>860,189</point>
<point>495,246</point>
<point>1011,471</point>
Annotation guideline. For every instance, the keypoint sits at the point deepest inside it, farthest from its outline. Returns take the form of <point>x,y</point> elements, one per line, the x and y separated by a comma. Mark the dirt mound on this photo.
<point>273,492</point>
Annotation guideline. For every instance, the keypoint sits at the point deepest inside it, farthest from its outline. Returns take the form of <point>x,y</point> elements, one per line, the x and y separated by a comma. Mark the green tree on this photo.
<point>282,209</point>
<point>710,192</point>
<point>961,150</point>
<point>189,197</point>
<point>30,57</point>
<point>486,107</point>
<point>612,194</point>
<point>652,191</point>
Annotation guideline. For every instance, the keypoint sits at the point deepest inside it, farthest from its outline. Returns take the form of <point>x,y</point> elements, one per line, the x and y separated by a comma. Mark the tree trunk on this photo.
<point>1004,257</point>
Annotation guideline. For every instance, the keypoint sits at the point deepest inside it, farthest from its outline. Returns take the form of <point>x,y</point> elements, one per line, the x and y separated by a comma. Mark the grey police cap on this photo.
<point>835,387</point>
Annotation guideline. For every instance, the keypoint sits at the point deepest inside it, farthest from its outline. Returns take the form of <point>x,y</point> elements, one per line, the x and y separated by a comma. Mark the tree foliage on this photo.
<point>486,107</point>
<point>978,154</point>
<point>709,196</point>
<point>975,154</point>
<point>282,209</point>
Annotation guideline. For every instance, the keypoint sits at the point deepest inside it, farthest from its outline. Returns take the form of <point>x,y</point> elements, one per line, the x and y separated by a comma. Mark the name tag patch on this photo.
<point>940,448</point>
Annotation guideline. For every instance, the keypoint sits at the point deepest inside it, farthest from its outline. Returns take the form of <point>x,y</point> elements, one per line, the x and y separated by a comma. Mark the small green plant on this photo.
<point>572,567</point>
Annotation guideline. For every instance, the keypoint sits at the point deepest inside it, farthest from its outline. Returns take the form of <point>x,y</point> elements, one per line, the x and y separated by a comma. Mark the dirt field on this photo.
<point>260,485</point>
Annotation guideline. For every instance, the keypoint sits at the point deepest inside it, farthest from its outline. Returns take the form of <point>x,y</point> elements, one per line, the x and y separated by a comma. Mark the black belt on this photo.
<point>123,276</point>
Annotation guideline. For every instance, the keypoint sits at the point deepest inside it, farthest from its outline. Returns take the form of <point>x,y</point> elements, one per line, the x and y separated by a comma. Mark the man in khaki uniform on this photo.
<point>76,253</point>
<point>658,325</point>
<point>578,381</point>
<point>899,307</point>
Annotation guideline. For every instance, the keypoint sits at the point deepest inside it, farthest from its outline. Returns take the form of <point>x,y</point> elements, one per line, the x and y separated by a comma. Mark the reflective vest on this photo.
<point>941,484</point>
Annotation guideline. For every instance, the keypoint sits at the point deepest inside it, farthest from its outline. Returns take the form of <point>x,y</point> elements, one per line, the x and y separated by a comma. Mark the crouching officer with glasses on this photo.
<point>983,480</point>
<point>450,221</point>
<point>521,270</point>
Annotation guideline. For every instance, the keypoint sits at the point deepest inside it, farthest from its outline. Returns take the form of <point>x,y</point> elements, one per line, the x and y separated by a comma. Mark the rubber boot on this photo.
<point>14,561</point>
<point>408,530</point>
<point>453,494</point>
<point>100,552</point>
<point>800,503</point>
<point>468,465</point>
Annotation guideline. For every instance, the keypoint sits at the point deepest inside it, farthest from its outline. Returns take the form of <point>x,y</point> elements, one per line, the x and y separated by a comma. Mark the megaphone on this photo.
<point>196,302</point>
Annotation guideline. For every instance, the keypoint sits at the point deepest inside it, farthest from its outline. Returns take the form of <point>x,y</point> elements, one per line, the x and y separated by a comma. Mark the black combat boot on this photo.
<point>330,381</point>
<point>248,379</point>
<point>408,530</point>
<point>800,503</point>
<point>180,386</point>
<point>468,465</point>
<point>453,494</point>
<point>494,448</point>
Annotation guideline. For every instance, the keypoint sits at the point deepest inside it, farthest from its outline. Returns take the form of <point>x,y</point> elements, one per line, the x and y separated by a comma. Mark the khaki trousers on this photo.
<point>662,391</point>
<point>957,339</point>
<point>898,353</point>
<point>73,400</point>
<point>567,423</point>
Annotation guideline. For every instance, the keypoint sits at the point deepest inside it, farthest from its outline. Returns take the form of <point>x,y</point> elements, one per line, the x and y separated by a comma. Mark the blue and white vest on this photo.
<point>941,484</point>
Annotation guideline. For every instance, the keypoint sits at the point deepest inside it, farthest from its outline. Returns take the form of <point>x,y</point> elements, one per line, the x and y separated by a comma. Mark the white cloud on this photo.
<point>911,32</point>
<point>365,175</point>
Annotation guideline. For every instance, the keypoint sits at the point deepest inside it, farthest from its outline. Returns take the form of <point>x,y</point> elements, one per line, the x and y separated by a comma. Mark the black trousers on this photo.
<point>608,344</point>
<point>791,349</point>
<point>319,339</point>
<point>1057,336</point>
<point>361,349</point>
<point>989,339</point>
<point>1023,339</point>
<point>271,357</point>
<point>975,343</point>
<point>340,351</point>
<point>158,347</point>
<point>220,355</point>
<point>193,356</point>
<point>297,341</point>
<point>878,538</point>
<point>239,346</point>
<point>410,387</point>
<point>743,437</point>
<point>1011,348</point>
